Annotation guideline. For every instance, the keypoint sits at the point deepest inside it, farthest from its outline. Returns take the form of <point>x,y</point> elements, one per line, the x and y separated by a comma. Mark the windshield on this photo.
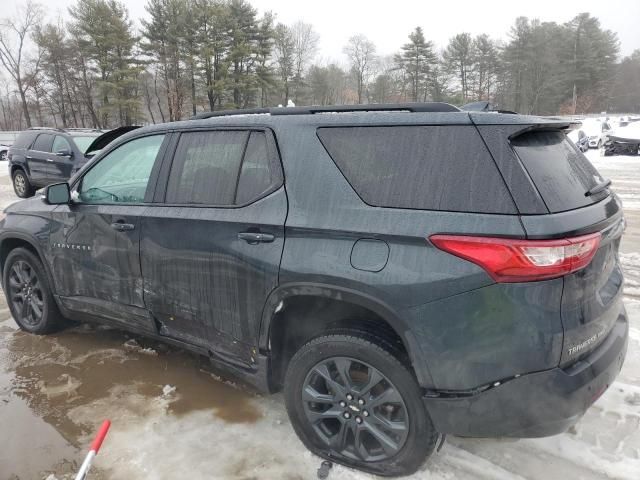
<point>84,141</point>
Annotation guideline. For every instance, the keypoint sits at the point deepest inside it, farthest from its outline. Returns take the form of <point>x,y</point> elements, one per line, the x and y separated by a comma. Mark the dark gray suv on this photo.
<point>42,156</point>
<point>401,271</point>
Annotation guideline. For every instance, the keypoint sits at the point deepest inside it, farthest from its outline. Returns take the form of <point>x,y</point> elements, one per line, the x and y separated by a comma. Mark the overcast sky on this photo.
<point>389,22</point>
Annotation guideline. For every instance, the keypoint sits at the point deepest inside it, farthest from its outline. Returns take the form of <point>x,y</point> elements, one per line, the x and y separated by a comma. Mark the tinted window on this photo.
<point>123,174</point>
<point>419,167</point>
<point>561,172</point>
<point>205,168</point>
<point>43,143</point>
<point>60,144</point>
<point>25,139</point>
<point>256,174</point>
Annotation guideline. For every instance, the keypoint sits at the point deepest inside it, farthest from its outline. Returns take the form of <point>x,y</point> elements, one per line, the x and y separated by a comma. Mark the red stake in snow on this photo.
<point>93,451</point>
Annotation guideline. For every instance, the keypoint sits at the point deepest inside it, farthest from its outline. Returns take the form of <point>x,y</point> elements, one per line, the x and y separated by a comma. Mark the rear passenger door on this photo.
<point>38,159</point>
<point>212,242</point>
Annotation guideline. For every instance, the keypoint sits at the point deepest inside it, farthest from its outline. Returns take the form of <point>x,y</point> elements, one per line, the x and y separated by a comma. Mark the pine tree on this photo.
<point>417,60</point>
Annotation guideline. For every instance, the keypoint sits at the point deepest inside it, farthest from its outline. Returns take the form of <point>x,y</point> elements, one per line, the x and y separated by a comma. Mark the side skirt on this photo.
<point>257,375</point>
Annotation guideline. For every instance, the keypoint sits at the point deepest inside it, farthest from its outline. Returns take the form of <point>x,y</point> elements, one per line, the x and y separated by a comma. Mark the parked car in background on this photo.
<point>624,141</point>
<point>597,130</point>
<point>580,139</point>
<point>4,151</point>
<point>400,271</point>
<point>41,156</point>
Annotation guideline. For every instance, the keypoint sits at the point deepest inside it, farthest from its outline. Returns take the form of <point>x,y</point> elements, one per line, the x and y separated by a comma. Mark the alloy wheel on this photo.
<point>20,183</point>
<point>355,410</point>
<point>25,293</point>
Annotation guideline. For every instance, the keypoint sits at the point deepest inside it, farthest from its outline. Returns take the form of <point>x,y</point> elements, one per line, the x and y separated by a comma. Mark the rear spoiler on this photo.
<point>540,123</point>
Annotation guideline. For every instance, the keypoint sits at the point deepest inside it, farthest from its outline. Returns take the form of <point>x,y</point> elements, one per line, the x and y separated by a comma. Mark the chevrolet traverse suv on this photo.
<point>401,271</point>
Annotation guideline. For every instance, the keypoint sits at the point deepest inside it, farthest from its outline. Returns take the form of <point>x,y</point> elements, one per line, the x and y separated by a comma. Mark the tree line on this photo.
<point>99,70</point>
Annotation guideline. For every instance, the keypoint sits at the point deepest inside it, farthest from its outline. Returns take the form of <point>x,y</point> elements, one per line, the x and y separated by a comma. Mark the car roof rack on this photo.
<point>58,129</point>
<point>46,128</point>
<point>483,106</point>
<point>314,109</point>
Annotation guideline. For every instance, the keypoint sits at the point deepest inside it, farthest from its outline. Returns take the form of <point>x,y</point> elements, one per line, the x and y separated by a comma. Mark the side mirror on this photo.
<point>57,194</point>
<point>64,153</point>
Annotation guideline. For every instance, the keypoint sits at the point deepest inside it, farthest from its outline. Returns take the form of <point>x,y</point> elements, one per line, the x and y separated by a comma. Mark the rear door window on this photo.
<point>43,143</point>
<point>205,168</point>
<point>419,167</point>
<point>221,168</point>
<point>561,173</point>
<point>256,176</point>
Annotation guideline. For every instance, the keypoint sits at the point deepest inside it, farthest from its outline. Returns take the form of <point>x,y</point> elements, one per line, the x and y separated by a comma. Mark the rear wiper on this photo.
<point>598,188</point>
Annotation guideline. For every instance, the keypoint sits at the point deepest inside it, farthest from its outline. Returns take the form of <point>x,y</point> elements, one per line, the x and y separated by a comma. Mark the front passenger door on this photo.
<point>60,168</point>
<point>96,239</point>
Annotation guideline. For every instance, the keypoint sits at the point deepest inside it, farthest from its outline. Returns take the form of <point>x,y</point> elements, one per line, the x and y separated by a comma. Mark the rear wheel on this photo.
<point>21,185</point>
<point>352,401</point>
<point>28,293</point>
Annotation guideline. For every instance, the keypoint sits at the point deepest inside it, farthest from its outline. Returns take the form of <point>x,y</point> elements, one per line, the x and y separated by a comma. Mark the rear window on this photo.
<point>25,139</point>
<point>419,167</point>
<point>561,173</point>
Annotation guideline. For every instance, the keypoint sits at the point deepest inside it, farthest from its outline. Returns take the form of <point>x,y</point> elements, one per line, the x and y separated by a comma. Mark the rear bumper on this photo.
<point>536,404</point>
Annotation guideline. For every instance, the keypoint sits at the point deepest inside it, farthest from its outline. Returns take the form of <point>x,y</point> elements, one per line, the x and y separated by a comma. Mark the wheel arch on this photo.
<point>12,240</point>
<point>332,295</point>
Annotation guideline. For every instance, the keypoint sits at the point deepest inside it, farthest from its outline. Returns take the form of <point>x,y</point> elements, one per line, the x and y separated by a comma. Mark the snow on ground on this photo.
<point>75,379</point>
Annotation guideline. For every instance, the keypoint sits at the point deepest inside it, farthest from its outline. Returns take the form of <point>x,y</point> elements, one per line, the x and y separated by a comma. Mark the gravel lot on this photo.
<point>172,419</point>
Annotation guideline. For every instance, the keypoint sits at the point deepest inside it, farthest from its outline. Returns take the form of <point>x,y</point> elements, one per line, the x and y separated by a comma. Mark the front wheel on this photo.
<point>28,293</point>
<point>352,401</point>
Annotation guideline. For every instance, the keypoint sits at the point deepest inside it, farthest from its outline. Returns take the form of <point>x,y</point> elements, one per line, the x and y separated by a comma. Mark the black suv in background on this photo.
<point>401,271</point>
<point>41,156</point>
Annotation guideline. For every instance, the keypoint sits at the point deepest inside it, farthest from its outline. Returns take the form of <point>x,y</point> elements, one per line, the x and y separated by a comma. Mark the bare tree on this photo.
<point>362,54</point>
<point>283,53</point>
<point>305,47</point>
<point>14,34</point>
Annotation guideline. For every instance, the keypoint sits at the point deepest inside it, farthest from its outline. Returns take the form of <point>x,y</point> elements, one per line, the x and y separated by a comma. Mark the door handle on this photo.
<point>253,238</point>
<point>122,227</point>
<point>49,160</point>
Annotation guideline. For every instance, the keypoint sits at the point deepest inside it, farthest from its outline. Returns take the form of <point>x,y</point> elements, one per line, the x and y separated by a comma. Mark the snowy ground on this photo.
<point>55,390</point>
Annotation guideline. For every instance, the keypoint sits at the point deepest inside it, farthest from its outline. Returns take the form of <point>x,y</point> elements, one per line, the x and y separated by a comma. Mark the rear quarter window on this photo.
<point>561,173</point>
<point>25,139</point>
<point>419,167</point>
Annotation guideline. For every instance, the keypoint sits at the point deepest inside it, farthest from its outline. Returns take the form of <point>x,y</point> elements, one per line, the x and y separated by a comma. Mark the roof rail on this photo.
<point>313,109</point>
<point>81,129</point>
<point>483,106</point>
<point>46,128</point>
<point>58,129</point>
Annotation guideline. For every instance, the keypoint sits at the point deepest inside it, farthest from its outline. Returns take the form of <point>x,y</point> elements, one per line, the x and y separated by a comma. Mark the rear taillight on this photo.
<point>512,260</point>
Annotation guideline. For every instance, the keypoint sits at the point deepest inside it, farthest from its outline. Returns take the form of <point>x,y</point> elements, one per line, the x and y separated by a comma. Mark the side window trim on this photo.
<point>167,164</point>
<point>155,170</point>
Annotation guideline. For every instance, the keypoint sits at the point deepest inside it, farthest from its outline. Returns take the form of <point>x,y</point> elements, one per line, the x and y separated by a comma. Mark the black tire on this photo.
<point>321,430</point>
<point>21,184</point>
<point>28,294</point>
